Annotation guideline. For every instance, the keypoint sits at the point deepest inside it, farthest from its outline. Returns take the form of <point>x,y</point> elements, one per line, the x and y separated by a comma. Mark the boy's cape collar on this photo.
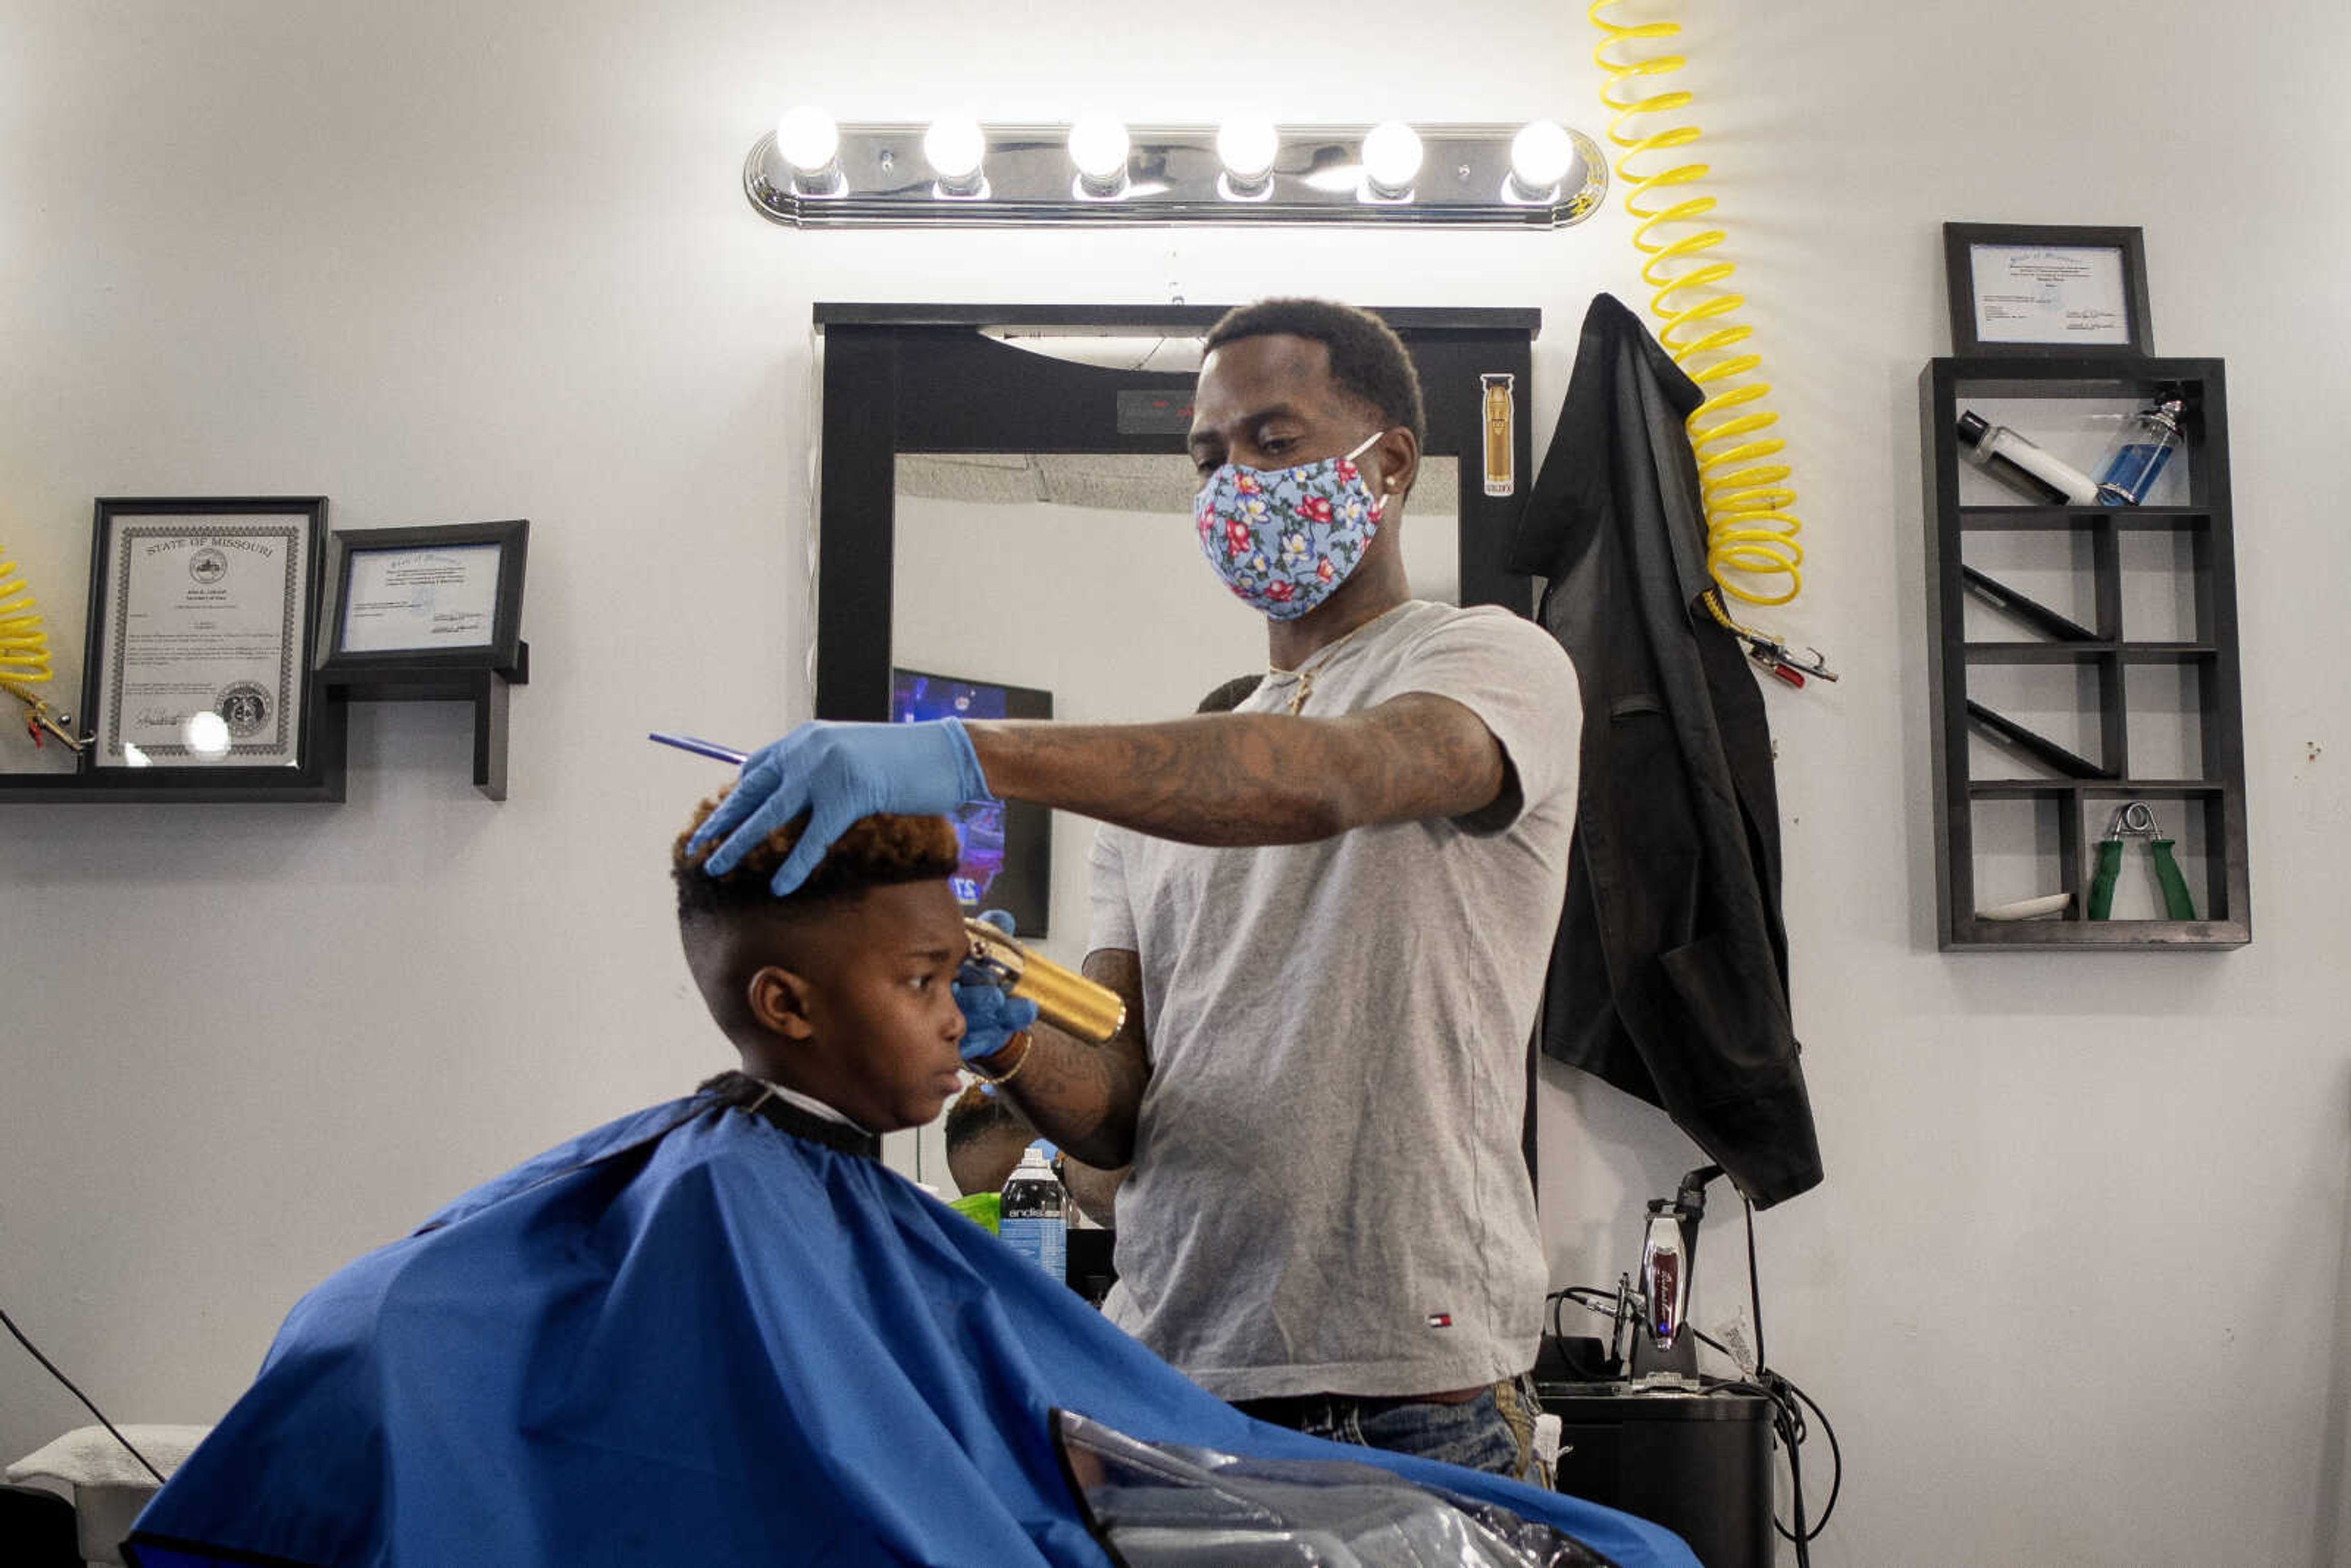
<point>752,1097</point>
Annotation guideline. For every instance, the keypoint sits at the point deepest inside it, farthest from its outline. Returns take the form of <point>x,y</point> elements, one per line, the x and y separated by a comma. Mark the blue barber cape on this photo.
<point>692,1338</point>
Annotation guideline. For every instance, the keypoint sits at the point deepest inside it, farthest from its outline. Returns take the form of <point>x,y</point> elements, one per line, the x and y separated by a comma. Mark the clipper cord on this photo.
<point>1752,550</point>
<point>24,646</point>
<point>24,659</point>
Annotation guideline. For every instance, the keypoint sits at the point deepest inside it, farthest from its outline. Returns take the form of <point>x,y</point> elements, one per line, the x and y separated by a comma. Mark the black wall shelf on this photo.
<point>2087,656</point>
<point>485,690</point>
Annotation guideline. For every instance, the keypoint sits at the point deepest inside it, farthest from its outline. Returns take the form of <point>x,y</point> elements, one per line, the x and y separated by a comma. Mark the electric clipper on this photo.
<point>1665,1345</point>
<point>1070,1002</point>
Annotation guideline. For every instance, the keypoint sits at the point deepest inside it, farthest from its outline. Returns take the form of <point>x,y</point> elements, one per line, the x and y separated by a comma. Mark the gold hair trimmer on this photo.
<point>1070,1002</point>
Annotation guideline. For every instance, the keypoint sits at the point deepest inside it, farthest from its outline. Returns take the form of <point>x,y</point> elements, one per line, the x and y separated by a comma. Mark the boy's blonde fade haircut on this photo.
<point>877,850</point>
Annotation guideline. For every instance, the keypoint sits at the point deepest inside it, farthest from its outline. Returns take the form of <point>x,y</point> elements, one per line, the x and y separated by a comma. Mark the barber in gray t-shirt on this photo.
<point>1329,913</point>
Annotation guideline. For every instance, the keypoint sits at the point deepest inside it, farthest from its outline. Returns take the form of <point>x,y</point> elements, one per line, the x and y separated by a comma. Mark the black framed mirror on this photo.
<point>900,380</point>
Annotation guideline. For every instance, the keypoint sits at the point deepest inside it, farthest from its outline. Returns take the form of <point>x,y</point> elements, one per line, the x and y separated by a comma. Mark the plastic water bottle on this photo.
<point>1033,1218</point>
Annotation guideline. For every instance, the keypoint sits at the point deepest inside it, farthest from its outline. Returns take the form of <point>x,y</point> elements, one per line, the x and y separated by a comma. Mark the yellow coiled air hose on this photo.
<point>1752,550</point>
<point>25,657</point>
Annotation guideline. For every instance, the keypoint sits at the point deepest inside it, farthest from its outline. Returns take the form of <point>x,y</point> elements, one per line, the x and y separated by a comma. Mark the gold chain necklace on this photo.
<point>1304,675</point>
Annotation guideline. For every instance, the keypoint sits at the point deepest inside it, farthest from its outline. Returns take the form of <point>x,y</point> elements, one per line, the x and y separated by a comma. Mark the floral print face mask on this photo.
<point>1282,539</point>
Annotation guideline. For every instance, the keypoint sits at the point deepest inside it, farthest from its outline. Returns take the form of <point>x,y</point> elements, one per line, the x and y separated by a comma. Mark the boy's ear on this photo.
<point>780,999</point>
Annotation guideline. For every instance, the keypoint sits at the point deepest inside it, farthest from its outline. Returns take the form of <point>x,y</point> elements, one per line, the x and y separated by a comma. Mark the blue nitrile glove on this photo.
<point>838,773</point>
<point>990,1016</point>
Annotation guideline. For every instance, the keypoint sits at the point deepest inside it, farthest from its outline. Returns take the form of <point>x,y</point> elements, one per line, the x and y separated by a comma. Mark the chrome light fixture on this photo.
<point>954,173</point>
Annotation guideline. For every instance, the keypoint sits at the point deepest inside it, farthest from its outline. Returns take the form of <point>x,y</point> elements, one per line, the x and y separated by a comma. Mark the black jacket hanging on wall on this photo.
<point>1670,979</point>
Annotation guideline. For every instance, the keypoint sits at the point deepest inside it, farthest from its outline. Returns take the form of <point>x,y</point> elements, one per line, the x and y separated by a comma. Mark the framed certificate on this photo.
<point>443,598</point>
<point>2022,289</point>
<point>200,614</point>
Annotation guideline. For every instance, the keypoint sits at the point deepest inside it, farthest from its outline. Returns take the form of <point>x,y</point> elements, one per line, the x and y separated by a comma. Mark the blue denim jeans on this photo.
<point>1494,1432</point>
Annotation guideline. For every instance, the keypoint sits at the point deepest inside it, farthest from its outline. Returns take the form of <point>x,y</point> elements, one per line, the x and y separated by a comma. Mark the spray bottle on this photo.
<point>2149,439</point>
<point>1033,1216</point>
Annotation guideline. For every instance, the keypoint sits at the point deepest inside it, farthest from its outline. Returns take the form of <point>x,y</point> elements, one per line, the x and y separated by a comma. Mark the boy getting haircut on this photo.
<point>719,1330</point>
<point>842,992</point>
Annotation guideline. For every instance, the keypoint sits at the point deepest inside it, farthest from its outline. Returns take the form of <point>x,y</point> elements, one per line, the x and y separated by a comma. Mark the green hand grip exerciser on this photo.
<point>2102,883</point>
<point>2137,820</point>
<point>2175,902</point>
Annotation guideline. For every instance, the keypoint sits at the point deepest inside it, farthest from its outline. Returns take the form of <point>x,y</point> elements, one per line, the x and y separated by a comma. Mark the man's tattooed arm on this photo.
<point>1253,778</point>
<point>1086,1097</point>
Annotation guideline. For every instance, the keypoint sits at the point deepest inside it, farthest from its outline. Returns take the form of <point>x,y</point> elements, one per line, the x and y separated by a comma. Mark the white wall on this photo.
<point>2073,1290</point>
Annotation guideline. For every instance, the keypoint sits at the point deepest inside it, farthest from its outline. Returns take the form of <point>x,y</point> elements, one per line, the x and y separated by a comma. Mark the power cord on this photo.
<point>52,1369</point>
<point>1788,1401</point>
<point>1784,1396</point>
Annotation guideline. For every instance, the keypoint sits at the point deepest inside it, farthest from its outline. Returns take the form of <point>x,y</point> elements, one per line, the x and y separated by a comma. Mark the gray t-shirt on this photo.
<point>1328,1194</point>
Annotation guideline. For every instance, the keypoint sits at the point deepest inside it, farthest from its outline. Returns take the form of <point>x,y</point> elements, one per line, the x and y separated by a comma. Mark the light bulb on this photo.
<point>1247,148</point>
<point>1391,157</point>
<point>1098,146</point>
<point>806,139</point>
<point>955,147</point>
<point>207,734</point>
<point>1541,156</point>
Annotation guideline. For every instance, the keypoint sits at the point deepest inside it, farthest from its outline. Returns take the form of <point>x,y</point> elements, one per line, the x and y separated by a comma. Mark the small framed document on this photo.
<point>2046,289</point>
<point>447,597</point>
<point>200,615</point>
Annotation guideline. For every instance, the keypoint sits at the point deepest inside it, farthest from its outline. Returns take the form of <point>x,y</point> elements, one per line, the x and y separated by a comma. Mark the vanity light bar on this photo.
<point>867,176</point>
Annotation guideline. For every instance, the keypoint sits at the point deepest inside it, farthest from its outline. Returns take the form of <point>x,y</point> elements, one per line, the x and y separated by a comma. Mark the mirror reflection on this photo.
<point>1080,575</point>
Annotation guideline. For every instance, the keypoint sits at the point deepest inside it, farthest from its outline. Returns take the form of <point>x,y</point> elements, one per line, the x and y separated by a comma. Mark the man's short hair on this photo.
<point>875,849</point>
<point>1368,361</point>
<point>974,1114</point>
